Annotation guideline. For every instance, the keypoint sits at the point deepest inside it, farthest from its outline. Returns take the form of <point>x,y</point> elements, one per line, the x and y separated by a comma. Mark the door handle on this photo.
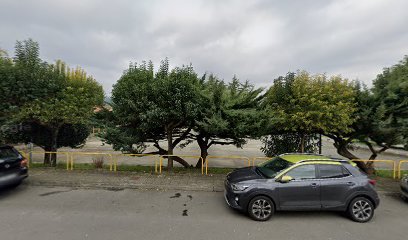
<point>351,184</point>
<point>313,185</point>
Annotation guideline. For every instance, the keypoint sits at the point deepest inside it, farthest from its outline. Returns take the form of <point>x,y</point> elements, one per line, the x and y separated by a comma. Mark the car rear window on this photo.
<point>8,153</point>
<point>332,171</point>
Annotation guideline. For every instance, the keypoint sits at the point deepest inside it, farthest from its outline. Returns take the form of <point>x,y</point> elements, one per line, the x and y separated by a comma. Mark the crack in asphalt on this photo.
<point>52,193</point>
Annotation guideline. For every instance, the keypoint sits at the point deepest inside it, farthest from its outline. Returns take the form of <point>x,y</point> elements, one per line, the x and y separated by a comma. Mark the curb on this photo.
<point>122,187</point>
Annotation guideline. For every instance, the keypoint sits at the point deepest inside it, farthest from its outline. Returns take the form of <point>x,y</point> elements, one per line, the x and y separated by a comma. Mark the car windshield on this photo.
<point>8,153</point>
<point>272,167</point>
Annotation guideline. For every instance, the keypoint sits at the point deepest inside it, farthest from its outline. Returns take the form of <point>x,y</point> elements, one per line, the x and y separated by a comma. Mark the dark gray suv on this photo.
<point>302,182</point>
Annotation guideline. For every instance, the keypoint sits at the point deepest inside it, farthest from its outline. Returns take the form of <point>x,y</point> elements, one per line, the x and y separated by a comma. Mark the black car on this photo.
<point>302,182</point>
<point>404,188</point>
<point>13,167</point>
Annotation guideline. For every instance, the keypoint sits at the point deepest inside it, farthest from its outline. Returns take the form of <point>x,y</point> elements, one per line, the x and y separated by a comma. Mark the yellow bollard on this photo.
<point>383,161</point>
<point>114,162</point>
<point>67,162</point>
<point>161,163</point>
<point>400,166</point>
<point>206,167</point>
<point>72,162</point>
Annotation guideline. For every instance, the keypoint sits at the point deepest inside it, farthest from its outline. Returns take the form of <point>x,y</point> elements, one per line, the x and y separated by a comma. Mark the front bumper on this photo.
<point>232,198</point>
<point>13,178</point>
<point>404,189</point>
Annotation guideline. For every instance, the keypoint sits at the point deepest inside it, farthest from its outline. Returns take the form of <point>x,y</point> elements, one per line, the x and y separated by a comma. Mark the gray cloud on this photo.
<point>256,40</point>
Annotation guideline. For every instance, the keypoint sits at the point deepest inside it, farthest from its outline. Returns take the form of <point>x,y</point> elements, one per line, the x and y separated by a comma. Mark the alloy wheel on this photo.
<point>362,210</point>
<point>261,209</point>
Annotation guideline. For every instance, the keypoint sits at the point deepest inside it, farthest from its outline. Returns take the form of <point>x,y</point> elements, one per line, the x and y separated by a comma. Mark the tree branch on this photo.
<point>182,137</point>
<point>219,143</point>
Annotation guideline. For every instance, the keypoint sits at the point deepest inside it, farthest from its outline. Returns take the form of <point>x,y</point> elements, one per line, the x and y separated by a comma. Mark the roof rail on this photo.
<point>328,160</point>
<point>295,153</point>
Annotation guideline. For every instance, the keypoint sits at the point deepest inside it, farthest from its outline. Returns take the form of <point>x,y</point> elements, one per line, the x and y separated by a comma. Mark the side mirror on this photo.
<point>286,179</point>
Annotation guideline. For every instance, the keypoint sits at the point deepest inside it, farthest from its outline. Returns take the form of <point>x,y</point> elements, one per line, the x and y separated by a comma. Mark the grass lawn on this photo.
<point>136,168</point>
<point>180,170</point>
<point>388,173</point>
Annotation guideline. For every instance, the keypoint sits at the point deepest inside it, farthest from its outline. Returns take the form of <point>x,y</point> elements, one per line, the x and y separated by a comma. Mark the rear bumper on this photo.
<point>13,178</point>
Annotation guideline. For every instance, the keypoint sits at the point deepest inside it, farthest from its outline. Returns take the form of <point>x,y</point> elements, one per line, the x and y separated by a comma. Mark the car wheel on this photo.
<point>261,208</point>
<point>361,210</point>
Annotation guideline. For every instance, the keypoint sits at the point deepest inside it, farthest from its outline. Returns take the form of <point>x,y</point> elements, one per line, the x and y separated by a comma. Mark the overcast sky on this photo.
<point>256,40</point>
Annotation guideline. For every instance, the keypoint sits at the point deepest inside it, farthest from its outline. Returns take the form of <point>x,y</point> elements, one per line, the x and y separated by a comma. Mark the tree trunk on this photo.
<point>374,154</point>
<point>54,146</point>
<point>302,142</point>
<point>203,144</point>
<point>341,146</point>
<point>164,152</point>
<point>47,156</point>
<point>170,148</point>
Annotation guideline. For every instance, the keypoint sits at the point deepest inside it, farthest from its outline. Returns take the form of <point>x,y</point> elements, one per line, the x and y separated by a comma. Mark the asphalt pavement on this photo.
<point>42,213</point>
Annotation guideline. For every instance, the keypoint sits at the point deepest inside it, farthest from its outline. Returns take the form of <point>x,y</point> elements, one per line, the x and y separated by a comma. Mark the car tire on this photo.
<point>361,210</point>
<point>261,208</point>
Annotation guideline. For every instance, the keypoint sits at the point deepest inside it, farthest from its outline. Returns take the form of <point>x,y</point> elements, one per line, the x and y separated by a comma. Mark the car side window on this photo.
<point>307,171</point>
<point>332,171</point>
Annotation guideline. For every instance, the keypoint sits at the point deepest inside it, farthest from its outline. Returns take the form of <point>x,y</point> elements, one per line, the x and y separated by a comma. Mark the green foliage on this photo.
<point>390,113</point>
<point>149,107</point>
<point>52,102</point>
<point>74,104</point>
<point>311,103</point>
<point>277,144</point>
<point>301,104</point>
<point>69,135</point>
<point>230,113</point>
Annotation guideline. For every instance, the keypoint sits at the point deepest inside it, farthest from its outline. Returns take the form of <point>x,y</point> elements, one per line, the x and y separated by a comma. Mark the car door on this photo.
<point>303,192</point>
<point>336,184</point>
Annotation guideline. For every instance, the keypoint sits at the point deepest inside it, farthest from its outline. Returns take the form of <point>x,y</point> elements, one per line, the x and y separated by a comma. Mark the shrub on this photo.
<point>98,161</point>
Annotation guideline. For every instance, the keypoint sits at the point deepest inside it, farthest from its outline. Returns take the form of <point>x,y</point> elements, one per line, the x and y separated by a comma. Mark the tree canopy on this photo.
<point>306,104</point>
<point>230,114</point>
<point>150,107</point>
<point>53,102</point>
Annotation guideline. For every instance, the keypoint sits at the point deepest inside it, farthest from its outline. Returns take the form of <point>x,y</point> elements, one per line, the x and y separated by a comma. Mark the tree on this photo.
<point>70,107</point>
<point>23,79</point>
<point>306,104</point>
<point>3,53</point>
<point>390,94</point>
<point>381,115</point>
<point>6,72</point>
<point>69,135</point>
<point>279,143</point>
<point>150,107</point>
<point>230,114</point>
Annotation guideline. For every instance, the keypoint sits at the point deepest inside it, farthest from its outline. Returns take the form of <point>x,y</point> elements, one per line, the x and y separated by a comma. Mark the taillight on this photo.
<point>372,182</point>
<point>24,163</point>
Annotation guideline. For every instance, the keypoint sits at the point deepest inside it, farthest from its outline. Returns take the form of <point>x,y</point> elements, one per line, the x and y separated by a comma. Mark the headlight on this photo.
<point>238,187</point>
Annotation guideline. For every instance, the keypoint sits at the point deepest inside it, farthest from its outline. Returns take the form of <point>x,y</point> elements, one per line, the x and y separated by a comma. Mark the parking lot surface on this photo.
<point>36,212</point>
